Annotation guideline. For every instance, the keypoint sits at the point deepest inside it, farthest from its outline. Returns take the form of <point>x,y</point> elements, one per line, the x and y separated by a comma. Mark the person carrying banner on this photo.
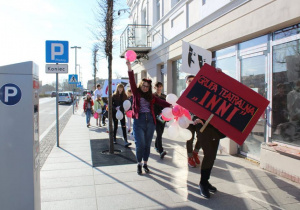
<point>143,117</point>
<point>118,98</point>
<point>193,157</point>
<point>160,124</point>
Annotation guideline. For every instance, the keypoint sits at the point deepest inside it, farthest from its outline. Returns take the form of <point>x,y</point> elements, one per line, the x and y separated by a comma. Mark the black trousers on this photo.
<point>209,143</point>
<point>160,127</point>
<point>122,125</point>
<point>189,144</point>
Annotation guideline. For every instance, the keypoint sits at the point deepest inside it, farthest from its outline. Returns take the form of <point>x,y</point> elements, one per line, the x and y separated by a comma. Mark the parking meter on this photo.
<point>19,137</point>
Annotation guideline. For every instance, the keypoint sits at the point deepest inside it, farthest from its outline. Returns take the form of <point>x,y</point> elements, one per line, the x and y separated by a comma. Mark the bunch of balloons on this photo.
<point>180,116</point>
<point>126,106</point>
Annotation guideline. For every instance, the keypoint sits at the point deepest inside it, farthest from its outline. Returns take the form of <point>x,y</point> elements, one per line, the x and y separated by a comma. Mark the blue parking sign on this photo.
<point>57,51</point>
<point>78,84</point>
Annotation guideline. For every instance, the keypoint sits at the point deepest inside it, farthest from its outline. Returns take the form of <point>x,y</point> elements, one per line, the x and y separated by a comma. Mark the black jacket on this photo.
<point>157,108</point>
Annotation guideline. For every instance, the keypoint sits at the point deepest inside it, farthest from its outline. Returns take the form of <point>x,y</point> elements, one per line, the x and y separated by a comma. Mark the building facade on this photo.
<point>257,42</point>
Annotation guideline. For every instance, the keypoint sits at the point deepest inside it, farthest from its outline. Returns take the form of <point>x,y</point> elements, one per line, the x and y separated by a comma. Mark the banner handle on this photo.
<point>206,123</point>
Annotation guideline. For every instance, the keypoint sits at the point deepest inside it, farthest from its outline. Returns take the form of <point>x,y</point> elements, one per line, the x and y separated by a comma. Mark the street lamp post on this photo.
<point>76,47</point>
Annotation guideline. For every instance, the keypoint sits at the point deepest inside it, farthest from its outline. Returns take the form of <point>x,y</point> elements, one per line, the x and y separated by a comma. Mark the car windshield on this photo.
<point>63,94</point>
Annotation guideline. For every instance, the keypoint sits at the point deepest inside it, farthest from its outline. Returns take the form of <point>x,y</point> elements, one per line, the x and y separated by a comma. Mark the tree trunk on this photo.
<point>108,48</point>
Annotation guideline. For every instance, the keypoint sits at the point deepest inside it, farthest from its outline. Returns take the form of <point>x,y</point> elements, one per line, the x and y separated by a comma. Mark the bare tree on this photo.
<point>104,36</point>
<point>95,50</point>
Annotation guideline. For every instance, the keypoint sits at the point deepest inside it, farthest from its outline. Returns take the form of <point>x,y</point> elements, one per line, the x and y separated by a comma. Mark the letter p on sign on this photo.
<point>55,46</point>
<point>10,94</point>
<point>57,52</point>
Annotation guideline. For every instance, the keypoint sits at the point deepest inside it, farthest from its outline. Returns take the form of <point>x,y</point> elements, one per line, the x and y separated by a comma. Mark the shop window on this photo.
<point>225,59</point>
<point>178,77</point>
<point>253,42</point>
<point>286,32</point>
<point>286,92</point>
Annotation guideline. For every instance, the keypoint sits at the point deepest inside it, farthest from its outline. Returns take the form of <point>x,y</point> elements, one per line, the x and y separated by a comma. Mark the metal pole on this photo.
<point>57,113</point>
<point>76,60</point>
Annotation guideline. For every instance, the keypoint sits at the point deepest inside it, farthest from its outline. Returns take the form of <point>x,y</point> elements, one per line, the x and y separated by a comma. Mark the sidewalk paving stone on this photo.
<point>69,180</point>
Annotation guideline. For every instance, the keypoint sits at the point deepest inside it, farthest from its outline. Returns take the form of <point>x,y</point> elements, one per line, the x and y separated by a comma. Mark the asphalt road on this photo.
<point>47,114</point>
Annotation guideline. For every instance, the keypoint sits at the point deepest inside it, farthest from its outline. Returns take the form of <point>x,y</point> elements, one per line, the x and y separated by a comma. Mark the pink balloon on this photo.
<point>186,113</point>
<point>130,55</point>
<point>177,111</point>
<point>129,113</point>
<point>165,118</point>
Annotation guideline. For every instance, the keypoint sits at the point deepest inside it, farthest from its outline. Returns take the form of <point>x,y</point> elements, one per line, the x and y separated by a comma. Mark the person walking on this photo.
<point>97,92</point>
<point>143,117</point>
<point>193,157</point>
<point>160,124</point>
<point>118,98</point>
<point>88,108</point>
<point>98,104</point>
<point>130,98</point>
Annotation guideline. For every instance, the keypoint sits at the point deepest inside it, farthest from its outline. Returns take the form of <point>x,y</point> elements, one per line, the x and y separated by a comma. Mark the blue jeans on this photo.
<point>143,130</point>
<point>88,115</point>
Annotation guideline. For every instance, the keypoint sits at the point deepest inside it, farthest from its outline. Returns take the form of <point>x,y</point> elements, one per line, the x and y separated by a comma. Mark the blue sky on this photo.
<point>26,25</point>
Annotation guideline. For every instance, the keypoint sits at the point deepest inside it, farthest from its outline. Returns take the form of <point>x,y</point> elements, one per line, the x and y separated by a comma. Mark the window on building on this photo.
<point>286,32</point>
<point>286,90</point>
<point>156,11</point>
<point>174,2</point>
<point>162,75</point>
<point>178,77</point>
<point>225,59</point>
<point>203,2</point>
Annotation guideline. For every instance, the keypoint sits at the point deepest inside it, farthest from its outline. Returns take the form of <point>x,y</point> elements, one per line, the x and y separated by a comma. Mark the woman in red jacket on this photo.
<point>87,107</point>
<point>143,117</point>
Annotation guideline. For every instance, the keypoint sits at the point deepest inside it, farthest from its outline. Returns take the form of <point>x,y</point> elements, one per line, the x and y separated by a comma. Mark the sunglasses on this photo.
<point>146,86</point>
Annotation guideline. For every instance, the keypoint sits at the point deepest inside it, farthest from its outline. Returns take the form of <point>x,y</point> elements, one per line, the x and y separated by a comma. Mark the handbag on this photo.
<point>96,115</point>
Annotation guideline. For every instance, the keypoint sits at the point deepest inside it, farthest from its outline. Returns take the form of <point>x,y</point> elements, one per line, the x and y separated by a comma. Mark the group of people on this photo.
<point>146,108</point>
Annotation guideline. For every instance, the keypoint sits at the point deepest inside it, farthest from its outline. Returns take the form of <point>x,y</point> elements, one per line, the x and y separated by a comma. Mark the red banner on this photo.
<point>236,108</point>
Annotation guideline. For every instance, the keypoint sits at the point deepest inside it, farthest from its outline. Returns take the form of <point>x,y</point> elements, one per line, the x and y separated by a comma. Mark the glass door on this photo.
<point>253,75</point>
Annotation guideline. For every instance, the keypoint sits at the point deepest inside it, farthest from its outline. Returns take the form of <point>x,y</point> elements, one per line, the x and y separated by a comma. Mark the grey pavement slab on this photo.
<point>68,180</point>
<point>75,204</point>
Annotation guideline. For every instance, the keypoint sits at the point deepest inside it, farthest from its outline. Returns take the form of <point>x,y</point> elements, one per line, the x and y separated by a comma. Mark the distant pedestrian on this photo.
<point>130,98</point>
<point>88,108</point>
<point>98,91</point>
<point>118,98</point>
<point>160,124</point>
<point>98,104</point>
<point>143,117</point>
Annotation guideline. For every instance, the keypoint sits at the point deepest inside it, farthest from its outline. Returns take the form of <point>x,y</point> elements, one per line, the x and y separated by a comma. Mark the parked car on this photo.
<point>65,97</point>
<point>53,94</point>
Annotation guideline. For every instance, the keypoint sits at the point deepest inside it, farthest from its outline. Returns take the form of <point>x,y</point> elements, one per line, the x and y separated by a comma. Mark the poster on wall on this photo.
<point>115,82</point>
<point>194,57</point>
<point>235,107</point>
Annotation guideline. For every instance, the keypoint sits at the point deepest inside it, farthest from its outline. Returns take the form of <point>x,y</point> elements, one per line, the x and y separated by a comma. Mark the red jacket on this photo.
<point>137,97</point>
<point>85,104</point>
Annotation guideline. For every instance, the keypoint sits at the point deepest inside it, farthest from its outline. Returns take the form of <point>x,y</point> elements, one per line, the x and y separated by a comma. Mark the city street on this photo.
<point>47,115</point>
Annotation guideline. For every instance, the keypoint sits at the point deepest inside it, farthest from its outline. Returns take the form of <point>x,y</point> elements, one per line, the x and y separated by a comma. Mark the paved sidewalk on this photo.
<point>68,180</point>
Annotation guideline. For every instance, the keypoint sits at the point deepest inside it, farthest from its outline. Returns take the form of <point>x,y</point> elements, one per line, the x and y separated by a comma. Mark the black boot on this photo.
<point>146,168</point>
<point>139,169</point>
<point>204,191</point>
